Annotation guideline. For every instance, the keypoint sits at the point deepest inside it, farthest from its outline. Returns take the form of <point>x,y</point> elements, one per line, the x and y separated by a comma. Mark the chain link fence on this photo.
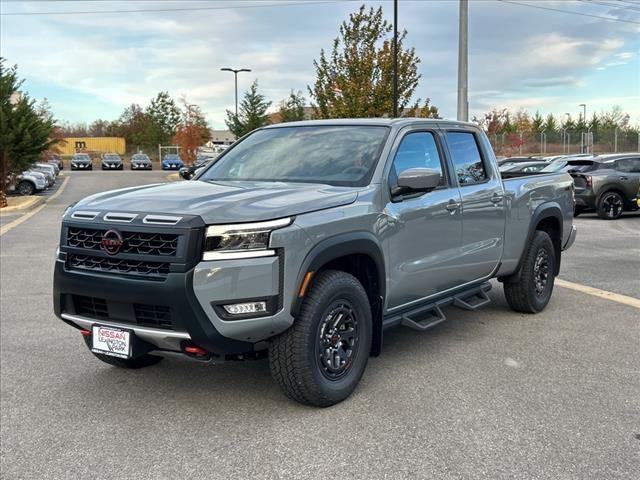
<point>565,142</point>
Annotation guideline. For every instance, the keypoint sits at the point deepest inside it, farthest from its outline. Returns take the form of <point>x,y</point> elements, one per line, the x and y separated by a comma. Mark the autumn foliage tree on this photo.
<point>356,79</point>
<point>192,131</point>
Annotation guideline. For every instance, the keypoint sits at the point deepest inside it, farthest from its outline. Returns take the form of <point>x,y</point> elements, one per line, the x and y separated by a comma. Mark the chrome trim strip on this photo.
<point>161,220</point>
<point>237,254</point>
<point>160,338</point>
<point>119,217</point>
<point>84,215</point>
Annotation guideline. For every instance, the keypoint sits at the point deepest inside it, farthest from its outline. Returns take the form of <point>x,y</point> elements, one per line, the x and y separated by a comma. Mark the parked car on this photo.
<point>522,167</point>
<point>29,183</point>
<point>172,161</point>
<point>56,160</point>
<point>582,164</point>
<point>187,172</point>
<point>307,240</point>
<point>517,160</point>
<point>610,189</point>
<point>112,161</point>
<point>52,167</point>
<point>141,161</point>
<point>47,172</point>
<point>81,161</point>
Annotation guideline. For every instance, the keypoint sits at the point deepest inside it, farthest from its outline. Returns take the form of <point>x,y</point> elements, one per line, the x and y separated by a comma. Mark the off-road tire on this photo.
<point>521,290</point>
<point>604,208</point>
<point>294,357</point>
<point>129,363</point>
<point>25,188</point>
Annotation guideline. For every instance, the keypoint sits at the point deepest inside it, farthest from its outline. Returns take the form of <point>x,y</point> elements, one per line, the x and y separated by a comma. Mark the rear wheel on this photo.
<point>529,291</point>
<point>610,206</point>
<point>321,358</point>
<point>25,188</point>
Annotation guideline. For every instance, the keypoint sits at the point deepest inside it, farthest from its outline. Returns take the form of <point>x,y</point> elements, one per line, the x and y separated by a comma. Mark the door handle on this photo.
<point>452,206</point>
<point>624,178</point>
<point>496,198</point>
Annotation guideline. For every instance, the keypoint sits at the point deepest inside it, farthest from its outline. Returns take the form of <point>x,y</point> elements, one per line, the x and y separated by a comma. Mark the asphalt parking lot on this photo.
<point>489,394</point>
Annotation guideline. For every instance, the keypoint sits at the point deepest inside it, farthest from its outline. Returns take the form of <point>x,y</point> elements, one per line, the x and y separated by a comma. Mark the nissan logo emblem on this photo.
<point>112,241</point>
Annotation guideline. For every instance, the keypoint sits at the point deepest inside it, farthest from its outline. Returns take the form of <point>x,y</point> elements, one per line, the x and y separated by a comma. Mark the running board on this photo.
<point>430,314</point>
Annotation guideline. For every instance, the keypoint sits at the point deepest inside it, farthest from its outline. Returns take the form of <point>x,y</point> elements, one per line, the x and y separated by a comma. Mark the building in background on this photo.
<point>221,137</point>
<point>92,145</point>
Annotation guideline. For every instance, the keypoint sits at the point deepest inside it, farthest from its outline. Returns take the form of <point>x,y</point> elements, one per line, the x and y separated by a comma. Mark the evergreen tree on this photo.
<point>252,113</point>
<point>292,109</point>
<point>164,117</point>
<point>537,123</point>
<point>25,129</point>
<point>550,124</point>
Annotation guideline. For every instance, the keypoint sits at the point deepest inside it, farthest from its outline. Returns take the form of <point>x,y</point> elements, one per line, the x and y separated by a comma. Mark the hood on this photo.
<point>222,202</point>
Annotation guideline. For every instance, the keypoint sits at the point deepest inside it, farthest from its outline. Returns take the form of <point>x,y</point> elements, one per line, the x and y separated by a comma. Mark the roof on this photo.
<point>387,122</point>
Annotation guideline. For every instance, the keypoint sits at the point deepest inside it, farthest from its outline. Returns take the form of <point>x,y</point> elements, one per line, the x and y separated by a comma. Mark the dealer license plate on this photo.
<point>111,341</point>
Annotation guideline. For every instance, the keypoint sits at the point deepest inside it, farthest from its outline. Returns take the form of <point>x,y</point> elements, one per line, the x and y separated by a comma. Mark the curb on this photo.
<point>28,214</point>
<point>173,177</point>
<point>28,206</point>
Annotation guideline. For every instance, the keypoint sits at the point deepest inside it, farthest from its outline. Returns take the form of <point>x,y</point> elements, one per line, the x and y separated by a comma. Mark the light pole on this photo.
<point>583,149</point>
<point>236,71</point>
<point>395,58</point>
<point>463,57</point>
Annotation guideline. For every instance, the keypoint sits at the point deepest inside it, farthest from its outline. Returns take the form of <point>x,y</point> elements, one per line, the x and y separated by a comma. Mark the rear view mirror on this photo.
<point>419,179</point>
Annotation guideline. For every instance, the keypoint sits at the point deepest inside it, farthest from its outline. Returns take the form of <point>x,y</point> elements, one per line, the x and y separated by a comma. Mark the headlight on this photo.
<point>243,240</point>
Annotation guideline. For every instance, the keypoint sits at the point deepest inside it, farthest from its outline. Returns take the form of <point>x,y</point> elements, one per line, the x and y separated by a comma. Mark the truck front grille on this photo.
<point>153,316</point>
<point>91,307</point>
<point>139,243</point>
<point>116,265</point>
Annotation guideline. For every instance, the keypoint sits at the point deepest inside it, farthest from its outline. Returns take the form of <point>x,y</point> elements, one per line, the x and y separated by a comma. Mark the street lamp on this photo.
<point>236,71</point>
<point>584,112</point>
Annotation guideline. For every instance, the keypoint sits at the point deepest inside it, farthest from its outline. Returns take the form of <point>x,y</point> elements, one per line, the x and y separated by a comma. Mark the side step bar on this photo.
<point>429,315</point>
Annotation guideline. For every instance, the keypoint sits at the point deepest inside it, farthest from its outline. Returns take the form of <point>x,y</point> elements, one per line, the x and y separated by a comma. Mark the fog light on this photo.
<point>246,308</point>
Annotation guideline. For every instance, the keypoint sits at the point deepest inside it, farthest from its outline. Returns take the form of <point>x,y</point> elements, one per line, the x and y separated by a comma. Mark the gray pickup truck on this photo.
<point>303,242</point>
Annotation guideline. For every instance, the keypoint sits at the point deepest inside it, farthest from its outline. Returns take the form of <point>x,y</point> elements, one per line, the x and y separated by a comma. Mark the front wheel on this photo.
<point>610,206</point>
<point>530,289</point>
<point>25,188</point>
<point>321,358</point>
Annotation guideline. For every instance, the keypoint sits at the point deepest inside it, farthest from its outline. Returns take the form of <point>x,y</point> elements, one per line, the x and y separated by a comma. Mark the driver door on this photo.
<point>425,229</point>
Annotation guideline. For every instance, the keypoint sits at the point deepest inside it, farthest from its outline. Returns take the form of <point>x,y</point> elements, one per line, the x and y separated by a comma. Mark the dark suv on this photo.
<point>611,188</point>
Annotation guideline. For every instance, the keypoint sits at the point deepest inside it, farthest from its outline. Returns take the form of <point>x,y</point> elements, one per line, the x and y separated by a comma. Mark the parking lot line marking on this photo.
<point>11,225</point>
<point>596,292</point>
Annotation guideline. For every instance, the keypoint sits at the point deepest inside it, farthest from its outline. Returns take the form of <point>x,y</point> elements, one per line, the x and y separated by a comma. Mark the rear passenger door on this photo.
<point>483,202</point>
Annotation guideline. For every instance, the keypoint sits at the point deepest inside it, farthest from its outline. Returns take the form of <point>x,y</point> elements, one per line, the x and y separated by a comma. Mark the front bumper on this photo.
<point>571,239</point>
<point>122,295</point>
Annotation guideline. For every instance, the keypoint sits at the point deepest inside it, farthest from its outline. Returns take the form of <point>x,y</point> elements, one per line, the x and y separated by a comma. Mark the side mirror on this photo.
<point>419,179</point>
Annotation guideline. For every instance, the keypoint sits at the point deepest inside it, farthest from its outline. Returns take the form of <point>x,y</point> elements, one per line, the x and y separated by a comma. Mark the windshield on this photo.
<point>139,157</point>
<point>565,166</point>
<point>334,155</point>
<point>81,156</point>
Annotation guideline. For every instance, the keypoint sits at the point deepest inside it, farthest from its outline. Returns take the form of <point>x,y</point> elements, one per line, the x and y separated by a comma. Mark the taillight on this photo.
<point>587,179</point>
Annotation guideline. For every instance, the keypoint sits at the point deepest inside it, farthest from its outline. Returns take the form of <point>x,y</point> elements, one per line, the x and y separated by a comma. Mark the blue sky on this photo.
<point>92,65</point>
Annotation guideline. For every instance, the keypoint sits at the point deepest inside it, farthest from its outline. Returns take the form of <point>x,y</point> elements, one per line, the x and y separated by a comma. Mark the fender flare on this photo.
<point>339,246</point>
<point>542,212</point>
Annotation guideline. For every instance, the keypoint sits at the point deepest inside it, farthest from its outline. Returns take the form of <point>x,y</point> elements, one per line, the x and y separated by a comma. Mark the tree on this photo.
<point>292,109</point>
<point>252,113</point>
<point>550,124</point>
<point>25,131</point>
<point>135,126</point>
<point>537,123</point>
<point>356,78</point>
<point>164,117</point>
<point>192,132</point>
<point>99,128</point>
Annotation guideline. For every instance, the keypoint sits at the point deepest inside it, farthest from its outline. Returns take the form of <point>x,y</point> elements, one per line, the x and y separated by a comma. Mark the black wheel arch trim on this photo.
<point>542,212</point>
<point>352,243</point>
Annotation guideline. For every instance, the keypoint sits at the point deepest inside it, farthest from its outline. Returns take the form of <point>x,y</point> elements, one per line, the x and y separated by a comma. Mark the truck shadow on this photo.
<point>230,387</point>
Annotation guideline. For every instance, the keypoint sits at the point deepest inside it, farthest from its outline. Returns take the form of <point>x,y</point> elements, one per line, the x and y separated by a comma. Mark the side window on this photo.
<point>418,150</point>
<point>466,158</point>
<point>631,165</point>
